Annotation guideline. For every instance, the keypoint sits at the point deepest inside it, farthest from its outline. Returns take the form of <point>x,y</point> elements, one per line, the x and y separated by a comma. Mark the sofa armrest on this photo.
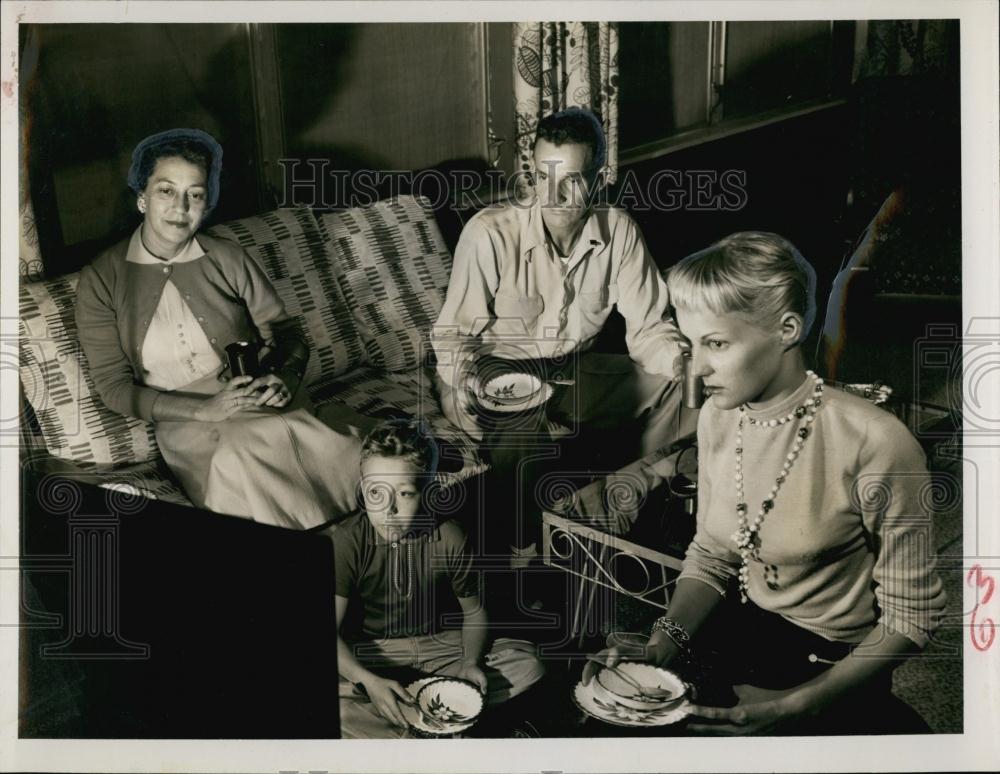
<point>30,432</point>
<point>131,484</point>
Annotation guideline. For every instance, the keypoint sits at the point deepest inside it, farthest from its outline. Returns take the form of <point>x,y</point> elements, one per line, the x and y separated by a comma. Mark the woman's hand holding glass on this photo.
<point>245,392</point>
<point>272,390</point>
<point>237,394</point>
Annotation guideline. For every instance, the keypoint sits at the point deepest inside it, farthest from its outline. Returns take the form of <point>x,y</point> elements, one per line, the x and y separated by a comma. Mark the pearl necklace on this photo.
<point>747,535</point>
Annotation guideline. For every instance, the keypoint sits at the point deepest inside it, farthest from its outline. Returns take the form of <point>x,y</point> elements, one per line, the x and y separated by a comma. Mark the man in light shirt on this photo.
<point>532,286</point>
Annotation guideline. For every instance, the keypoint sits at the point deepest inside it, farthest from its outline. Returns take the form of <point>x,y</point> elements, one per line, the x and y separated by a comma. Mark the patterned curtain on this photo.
<point>906,47</point>
<point>565,64</point>
<point>30,264</point>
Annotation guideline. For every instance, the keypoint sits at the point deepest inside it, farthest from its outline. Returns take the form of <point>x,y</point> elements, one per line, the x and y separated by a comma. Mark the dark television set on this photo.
<point>144,619</point>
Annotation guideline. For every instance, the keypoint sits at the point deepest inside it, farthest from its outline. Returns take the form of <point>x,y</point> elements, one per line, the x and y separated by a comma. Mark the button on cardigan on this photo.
<point>226,290</point>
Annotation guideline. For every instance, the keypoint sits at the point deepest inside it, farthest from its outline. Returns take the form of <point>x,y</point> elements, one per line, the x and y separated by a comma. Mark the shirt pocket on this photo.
<point>516,314</point>
<point>595,306</point>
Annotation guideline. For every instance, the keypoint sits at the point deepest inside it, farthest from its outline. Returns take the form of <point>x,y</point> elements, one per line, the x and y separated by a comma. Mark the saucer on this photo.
<point>597,703</point>
<point>624,693</point>
<point>412,715</point>
<point>501,407</point>
<point>512,388</point>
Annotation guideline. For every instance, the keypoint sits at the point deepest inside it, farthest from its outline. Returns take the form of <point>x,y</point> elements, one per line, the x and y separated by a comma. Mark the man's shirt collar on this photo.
<point>594,234</point>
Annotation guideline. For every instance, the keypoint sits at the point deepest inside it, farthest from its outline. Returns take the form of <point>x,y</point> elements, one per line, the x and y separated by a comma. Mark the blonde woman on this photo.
<point>813,559</point>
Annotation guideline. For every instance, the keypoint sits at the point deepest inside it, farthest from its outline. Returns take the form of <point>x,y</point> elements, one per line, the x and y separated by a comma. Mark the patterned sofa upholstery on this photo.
<point>365,284</point>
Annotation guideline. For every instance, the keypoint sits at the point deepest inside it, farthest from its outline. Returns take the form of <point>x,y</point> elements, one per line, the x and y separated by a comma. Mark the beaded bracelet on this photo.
<point>673,630</point>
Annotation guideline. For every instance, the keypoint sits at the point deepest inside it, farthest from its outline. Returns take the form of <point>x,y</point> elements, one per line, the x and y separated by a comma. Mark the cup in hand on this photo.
<point>243,359</point>
<point>693,386</point>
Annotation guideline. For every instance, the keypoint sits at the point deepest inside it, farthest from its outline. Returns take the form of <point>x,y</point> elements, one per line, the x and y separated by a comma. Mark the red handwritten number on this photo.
<point>984,632</point>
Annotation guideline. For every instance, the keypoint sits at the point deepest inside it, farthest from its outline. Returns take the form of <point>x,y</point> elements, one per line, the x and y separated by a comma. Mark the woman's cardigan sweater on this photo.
<point>228,293</point>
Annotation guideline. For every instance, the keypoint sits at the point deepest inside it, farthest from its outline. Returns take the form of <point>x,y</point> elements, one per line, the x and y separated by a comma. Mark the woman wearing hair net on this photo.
<point>156,313</point>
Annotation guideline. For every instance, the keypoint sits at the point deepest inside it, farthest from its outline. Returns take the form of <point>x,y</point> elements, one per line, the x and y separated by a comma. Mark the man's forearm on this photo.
<point>656,353</point>
<point>456,358</point>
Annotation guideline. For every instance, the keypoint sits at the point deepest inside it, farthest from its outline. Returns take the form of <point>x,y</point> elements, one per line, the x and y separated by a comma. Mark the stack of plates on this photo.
<point>613,699</point>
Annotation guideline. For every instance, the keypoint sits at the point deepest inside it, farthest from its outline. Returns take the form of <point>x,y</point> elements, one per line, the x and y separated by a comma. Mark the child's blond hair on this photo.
<point>407,439</point>
<point>754,273</point>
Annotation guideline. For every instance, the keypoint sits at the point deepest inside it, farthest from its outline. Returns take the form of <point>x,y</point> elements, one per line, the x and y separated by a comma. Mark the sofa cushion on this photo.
<point>74,421</point>
<point>375,393</point>
<point>128,486</point>
<point>395,270</point>
<point>290,249</point>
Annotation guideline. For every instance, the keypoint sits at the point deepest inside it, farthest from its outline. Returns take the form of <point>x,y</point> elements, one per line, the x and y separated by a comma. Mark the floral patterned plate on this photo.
<point>597,703</point>
<point>514,392</point>
<point>413,716</point>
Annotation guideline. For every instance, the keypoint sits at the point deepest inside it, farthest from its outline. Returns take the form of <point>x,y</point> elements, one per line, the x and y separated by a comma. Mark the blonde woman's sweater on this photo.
<point>849,542</point>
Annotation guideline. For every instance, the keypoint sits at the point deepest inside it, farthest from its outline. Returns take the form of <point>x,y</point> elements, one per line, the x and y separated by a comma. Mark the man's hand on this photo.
<point>458,405</point>
<point>384,695</point>
<point>678,364</point>
<point>474,674</point>
<point>758,711</point>
<point>611,503</point>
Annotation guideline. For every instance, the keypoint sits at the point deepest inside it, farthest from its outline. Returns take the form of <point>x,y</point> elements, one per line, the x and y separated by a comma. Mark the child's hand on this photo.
<point>383,694</point>
<point>474,674</point>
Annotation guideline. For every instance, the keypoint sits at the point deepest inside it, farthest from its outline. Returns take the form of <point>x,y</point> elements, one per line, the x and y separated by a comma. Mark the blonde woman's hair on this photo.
<point>755,273</point>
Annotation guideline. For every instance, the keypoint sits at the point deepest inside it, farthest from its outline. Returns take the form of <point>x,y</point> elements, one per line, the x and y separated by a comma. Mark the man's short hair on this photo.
<point>576,126</point>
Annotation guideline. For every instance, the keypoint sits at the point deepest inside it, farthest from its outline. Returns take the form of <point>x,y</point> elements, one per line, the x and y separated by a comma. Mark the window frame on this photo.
<point>718,126</point>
